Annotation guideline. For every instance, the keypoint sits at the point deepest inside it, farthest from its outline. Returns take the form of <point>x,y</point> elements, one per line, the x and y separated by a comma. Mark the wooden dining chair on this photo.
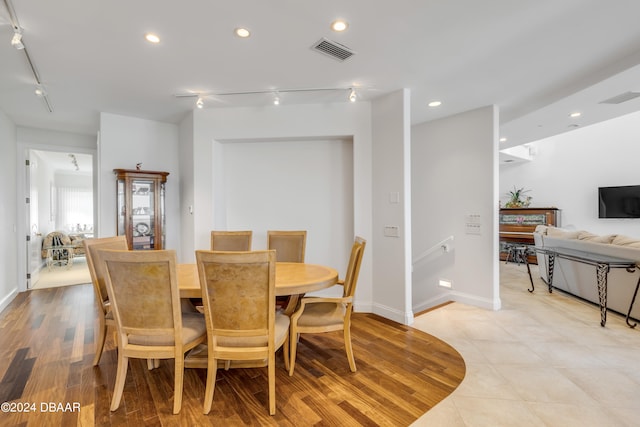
<point>145,301</point>
<point>105,316</point>
<point>290,246</point>
<point>238,290</point>
<point>320,314</point>
<point>231,240</point>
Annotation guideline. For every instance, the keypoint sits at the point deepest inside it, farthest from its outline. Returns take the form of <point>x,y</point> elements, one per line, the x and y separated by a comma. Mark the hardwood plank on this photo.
<point>48,337</point>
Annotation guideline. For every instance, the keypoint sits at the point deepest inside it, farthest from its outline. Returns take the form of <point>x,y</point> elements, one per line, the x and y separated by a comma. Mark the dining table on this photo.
<point>292,278</point>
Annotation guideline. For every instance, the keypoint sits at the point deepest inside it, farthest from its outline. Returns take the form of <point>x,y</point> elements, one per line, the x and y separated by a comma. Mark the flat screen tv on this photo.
<point>619,202</point>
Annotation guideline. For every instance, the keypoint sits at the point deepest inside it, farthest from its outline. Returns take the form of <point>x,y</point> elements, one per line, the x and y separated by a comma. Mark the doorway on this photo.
<point>59,211</point>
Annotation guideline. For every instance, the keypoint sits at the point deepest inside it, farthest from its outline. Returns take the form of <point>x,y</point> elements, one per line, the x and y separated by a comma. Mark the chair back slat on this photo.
<point>231,240</point>
<point>238,290</point>
<point>96,270</point>
<point>289,245</point>
<point>353,269</point>
<point>143,290</point>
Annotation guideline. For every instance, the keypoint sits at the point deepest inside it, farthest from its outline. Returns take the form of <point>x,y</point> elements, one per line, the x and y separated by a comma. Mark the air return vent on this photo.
<point>619,99</point>
<point>333,49</point>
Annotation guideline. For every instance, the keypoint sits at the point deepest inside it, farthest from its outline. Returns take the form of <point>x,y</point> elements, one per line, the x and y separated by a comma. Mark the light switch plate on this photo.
<point>472,228</point>
<point>391,231</point>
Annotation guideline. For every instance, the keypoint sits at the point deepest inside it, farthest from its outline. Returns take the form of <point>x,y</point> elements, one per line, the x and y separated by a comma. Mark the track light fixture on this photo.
<point>74,161</point>
<point>40,91</point>
<point>16,40</point>
<point>352,95</point>
<point>275,93</point>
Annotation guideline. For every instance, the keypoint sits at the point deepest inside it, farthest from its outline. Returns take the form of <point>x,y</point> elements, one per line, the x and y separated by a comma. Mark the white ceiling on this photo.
<point>538,60</point>
<point>70,163</point>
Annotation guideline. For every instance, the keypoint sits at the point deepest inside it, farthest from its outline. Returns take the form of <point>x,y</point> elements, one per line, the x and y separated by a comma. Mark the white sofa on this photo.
<point>580,279</point>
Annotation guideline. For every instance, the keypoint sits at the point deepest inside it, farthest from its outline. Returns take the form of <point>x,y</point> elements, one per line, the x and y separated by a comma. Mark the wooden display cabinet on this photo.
<point>518,224</point>
<point>140,204</point>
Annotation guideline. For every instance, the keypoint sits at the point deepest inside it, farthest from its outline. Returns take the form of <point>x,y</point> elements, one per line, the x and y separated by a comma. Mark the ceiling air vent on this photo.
<point>333,49</point>
<point>619,99</point>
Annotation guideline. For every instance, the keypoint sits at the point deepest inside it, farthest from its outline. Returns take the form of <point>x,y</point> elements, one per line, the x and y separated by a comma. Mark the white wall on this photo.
<point>455,174</point>
<point>8,213</point>
<point>567,170</point>
<point>303,123</point>
<point>392,206</point>
<point>186,178</point>
<point>288,185</point>
<point>126,141</point>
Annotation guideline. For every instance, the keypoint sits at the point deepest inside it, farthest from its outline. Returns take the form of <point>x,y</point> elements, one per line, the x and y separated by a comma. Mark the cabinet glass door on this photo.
<point>142,214</point>
<point>122,208</point>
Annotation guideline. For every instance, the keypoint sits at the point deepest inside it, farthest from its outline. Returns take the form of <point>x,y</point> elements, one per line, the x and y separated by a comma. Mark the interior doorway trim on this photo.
<point>23,228</point>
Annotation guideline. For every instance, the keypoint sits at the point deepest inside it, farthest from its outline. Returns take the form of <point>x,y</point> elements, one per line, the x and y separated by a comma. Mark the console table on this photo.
<point>603,264</point>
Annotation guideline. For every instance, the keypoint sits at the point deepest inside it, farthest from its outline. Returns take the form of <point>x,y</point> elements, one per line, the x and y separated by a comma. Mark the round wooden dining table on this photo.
<point>292,278</point>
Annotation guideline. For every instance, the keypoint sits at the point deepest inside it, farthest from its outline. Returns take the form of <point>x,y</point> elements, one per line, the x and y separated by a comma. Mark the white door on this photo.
<point>34,238</point>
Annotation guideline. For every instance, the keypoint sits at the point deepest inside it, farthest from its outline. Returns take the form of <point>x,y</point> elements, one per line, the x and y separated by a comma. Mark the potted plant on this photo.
<point>517,198</point>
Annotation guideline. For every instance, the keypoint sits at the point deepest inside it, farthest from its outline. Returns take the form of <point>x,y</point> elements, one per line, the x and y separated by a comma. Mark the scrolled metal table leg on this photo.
<point>602,271</point>
<point>633,300</point>
<point>550,263</point>
<point>526,261</point>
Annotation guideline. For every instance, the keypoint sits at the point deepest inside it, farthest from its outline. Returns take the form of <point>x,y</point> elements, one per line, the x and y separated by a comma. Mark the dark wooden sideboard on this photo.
<point>518,224</point>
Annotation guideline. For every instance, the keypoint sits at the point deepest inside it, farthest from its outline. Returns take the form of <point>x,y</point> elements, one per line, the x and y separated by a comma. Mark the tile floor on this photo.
<point>542,360</point>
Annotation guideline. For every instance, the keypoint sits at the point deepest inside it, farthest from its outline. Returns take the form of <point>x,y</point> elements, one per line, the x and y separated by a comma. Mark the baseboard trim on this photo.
<point>4,303</point>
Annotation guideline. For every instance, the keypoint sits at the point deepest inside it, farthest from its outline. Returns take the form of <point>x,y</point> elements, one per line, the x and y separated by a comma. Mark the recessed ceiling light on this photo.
<point>242,32</point>
<point>339,25</point>
<point>152,38</point>
<point>575,114</point>
<point>503,139</point>
<point>434,104</point>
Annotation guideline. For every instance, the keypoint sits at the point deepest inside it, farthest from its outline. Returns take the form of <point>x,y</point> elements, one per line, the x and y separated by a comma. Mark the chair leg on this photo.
<point>285,353</point>
<point>212,368</point>
<point>272,383</point>
<point>121,375</point>
<point>102,337</point>
<point>293,342</point>
<point>178,383</point>
<point>349,348</point>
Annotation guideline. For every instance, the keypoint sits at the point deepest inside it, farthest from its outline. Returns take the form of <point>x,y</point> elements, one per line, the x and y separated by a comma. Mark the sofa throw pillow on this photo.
<point>585,235</point>
<point>561,234</point>
<point>626,241</point>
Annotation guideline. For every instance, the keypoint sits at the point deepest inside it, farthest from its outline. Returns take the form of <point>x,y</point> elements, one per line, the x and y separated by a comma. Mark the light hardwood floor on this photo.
<point>46,348</point>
